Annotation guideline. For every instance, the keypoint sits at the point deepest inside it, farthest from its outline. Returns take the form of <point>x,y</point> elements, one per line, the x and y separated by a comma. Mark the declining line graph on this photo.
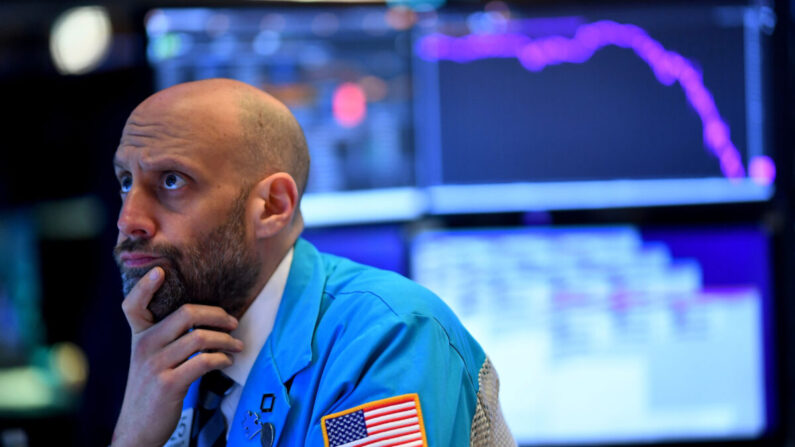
<point>535,55</point>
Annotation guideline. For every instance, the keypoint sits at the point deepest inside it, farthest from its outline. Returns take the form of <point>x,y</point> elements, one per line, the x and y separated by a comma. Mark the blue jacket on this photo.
<point>345,335</point>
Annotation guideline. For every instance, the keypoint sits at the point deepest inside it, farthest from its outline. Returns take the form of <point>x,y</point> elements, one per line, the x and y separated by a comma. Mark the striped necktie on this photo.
<point>210,427</point>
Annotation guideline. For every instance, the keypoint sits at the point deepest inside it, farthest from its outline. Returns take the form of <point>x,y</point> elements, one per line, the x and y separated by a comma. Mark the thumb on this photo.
<point>134,305</point>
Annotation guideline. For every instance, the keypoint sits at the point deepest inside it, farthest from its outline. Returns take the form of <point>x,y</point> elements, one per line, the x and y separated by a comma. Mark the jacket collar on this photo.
<point>288,350</point>
<point>294,328</point>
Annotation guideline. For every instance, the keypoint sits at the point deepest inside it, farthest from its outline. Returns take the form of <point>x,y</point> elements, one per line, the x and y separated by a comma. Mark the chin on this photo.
<point>162,307</point>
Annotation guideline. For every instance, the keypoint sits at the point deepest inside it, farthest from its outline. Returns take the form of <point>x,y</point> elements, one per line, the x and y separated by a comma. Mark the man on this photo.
<point>319,350</point>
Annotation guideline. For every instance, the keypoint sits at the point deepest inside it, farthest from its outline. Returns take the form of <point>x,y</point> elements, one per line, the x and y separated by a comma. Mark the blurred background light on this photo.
<point>169,45</point>
<point>374,23</point>
<point>157,22</point>
<point>349,104</point>
<point>325,24</point>
<point>70,365</point>
<point>266,42</point>
<point>762,170</point>
<point>80,39</point>
<point>375,89</point>
<point>273,22</point>
<point>401,17</point>
<point>217,24</point>
<point>417,5</point>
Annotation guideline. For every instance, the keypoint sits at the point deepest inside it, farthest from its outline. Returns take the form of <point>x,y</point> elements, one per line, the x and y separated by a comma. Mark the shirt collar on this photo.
<point>256,323</point>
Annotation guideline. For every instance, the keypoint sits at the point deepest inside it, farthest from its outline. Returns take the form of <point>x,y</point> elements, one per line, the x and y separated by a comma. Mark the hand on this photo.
<point>161,366</point>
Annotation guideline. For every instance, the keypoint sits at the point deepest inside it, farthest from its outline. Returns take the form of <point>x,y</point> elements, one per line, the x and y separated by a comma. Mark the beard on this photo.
<point>217,270</point>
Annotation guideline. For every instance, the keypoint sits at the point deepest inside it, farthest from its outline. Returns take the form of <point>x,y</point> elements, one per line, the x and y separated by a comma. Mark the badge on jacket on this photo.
<point>181,435</point>
<point>396,419</point>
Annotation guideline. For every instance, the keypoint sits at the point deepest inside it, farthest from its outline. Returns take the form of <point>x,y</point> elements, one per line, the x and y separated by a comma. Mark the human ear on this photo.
<point>275,201</point>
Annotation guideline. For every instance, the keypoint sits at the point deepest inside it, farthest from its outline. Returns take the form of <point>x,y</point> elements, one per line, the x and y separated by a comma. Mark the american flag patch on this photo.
<point>392,422</point>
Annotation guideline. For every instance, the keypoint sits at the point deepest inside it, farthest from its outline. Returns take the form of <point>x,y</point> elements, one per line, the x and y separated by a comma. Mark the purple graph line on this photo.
<point>536,54</point>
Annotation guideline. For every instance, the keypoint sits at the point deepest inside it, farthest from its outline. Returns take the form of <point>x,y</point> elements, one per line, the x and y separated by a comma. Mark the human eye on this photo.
<point>173,181</point>
<point>125,183</point>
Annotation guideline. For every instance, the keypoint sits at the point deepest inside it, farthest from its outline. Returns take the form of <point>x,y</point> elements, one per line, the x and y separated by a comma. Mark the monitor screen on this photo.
<point>613,334</point>
<point>381,246</point>
<point>600,106</point>
<point>344,72</point>
<point>21,328</point>
<point>495,108</point>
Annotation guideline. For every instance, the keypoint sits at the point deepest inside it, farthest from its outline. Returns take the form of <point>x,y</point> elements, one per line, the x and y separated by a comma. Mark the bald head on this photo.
<point>210,174</point>
<point>259,133</point>
<point>273,137</point>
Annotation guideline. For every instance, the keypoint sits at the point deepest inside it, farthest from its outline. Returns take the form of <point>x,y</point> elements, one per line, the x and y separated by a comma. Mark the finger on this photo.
<point>134,304</point>
<point>195,341</point>
<point>199,365</point>
<point>189,316</point>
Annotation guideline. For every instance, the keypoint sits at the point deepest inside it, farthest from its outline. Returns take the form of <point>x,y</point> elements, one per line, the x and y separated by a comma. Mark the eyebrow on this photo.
<point>165,162</point>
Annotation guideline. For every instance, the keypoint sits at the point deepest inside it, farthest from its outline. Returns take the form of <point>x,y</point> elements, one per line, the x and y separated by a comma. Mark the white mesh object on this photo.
<point>488,425</point>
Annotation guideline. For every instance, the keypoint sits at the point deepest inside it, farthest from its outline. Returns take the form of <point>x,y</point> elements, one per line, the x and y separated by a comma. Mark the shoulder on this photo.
<point>359,299</point>
<point>380,336</point>
<point>347,280</point>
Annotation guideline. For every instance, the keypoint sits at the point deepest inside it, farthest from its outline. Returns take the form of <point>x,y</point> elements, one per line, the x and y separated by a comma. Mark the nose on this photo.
<point>135,217</point>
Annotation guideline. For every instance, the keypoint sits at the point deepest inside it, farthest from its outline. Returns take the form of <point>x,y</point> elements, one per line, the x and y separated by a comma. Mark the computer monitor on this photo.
<point>604,105</point>
<point>344,72</point>
<point>494,108</point>
<point>381,246</point>
<point>614,334</point>
<point>21,328</point>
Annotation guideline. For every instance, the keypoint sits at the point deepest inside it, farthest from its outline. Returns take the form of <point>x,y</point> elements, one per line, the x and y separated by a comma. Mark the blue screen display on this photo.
<point>21,327</point>
<point>381,246</point>
<point>609,106</point>
<point>613,334</point>
<point>500,108</point>
<point>344,74</point>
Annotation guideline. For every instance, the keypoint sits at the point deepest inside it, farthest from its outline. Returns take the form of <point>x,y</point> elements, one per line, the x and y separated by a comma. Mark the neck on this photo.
<point>271,252</point>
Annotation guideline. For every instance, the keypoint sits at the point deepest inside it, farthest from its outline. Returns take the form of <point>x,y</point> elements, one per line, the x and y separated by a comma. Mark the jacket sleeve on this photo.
<point>399,355</point>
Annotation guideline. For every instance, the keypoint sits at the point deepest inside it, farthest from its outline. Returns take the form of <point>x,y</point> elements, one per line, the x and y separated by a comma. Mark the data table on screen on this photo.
<point>612,334</point>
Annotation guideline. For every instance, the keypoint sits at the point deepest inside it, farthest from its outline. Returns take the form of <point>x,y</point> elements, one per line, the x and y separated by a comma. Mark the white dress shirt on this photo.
<point>253,330</point>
